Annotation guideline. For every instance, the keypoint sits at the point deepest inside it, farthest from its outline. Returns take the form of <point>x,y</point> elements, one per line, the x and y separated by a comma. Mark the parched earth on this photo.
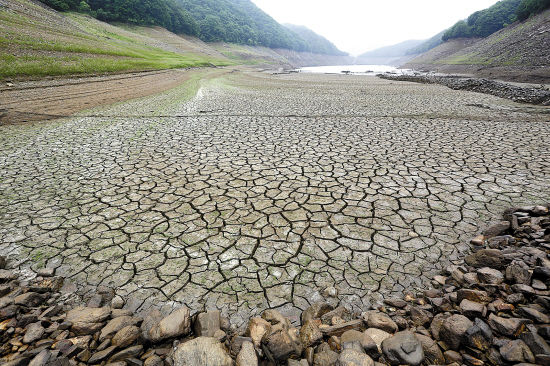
<point>267,190</point>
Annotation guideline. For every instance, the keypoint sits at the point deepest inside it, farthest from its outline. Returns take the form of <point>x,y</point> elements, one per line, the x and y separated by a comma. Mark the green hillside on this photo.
<point>485,22</point>
<point>232,21</point>
<point>315,42</point>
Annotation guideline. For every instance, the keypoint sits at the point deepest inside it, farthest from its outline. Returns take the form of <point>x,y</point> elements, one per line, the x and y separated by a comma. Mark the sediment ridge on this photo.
<point>492,309</point>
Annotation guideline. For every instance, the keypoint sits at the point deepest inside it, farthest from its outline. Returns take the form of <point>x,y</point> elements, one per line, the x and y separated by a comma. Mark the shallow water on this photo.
<point>354,69</point>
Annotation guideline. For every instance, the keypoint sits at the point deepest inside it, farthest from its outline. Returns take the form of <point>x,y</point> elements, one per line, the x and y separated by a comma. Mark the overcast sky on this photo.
<point>356,26</point>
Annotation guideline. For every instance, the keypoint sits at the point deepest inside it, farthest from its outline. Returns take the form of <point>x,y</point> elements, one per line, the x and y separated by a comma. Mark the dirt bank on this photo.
<point>54,98</point>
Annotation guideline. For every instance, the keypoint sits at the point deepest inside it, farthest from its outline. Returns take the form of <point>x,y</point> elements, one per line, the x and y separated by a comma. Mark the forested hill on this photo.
<point>315,42</point>
<point>233,21</point>
<point>485,22</point>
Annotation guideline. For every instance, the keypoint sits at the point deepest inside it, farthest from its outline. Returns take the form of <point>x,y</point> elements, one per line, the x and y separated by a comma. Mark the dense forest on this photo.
<point>164,13</point>
<point>234,21</point>
<point>486,22</point>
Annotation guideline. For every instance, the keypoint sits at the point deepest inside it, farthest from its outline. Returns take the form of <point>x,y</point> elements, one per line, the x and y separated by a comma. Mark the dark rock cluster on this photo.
<point>490,310</point>
<point>540,96</point>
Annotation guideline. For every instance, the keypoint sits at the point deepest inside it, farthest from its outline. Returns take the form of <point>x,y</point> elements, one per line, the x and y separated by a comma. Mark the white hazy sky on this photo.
<point>356,26</point>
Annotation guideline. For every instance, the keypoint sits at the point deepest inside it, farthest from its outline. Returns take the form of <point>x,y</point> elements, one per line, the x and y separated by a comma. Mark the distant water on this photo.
<point>354,69</point>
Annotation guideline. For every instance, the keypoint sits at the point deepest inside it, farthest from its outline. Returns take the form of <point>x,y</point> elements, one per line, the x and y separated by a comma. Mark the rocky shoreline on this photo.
<point>538,96</point>
<point>491,310</point>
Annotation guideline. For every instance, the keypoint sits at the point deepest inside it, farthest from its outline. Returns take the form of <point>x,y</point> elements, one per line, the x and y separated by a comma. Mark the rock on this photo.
<point>247,355</point>
<point>3,262</point>
<point>472,295</point>
<point>206,324</point>
<point>396,303</point>
<point>315,311</point>
<point>155,360</point>
<point>497,229</point>
<point>524,289</point>
<point>539,285</point>
<point>351,357</point>
<point>86,320</point>
<point>472,309</point>
<point>127,353</point>
<point>368,344</point>
<point>283,344</point>
<point>452,357</point>
<point>257,328</point>
<point>126,336</point>
<point>6,275</point>
<point>403,349</point>
<point>479,335</point>
<point>310,333</point>
<point>34,332</point>
<point>41,359</point>
<point>491,258</point>
<point>378,336</point>
<point>325,358</point>
<point>453,330</point>
<point>490,276</point>
<point>176,324</point>
<point>536,315</point>
<point>420,317</point>
<point>46,272</point>
<point>511,327</point>
<point>381,321</point>
<point>518,272</point>
<point>117,302</point>
<point>101,355</point>
<point>432,352</point>
<point>535,342</point>
<point>339,312</point>
<point>201,351</point>
<point>29,299</point>
<point>517,351</point>
<point>117,324</point>
<point>337,330</point>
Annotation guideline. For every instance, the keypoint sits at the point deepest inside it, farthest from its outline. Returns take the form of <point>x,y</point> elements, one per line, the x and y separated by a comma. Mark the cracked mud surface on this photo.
<point>263,191</point>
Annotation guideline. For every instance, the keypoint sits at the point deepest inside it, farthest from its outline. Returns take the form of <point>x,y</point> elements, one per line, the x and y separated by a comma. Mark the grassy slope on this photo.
<point>522,44</point>
<point>36,41</point>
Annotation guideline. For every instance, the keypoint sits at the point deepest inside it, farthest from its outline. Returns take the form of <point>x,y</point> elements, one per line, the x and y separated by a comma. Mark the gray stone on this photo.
<point>101,355</point>
<point>283,344</point>
<point>351,357</point>
<point>472,309</point>
<point>403,349</point>
<point>518,272</point>
<point>153,360</point>
<point>479,335</point>
<point>310,334</point>
<point>41,359</point>
<point>496,229</point>
<point>247,355</point>
<point>126,336</point>
<point>133,351</point>
<point>86,320</point>
<point>315,311</point>
<point>378,336</point>
<point>117,302</point>
<point>516,351</point>
<point>432,352</point>
<point>368,344</point>
<point>46,272</point>
<point>511,327</point>
<point>381,321</point>
<point>201,351</point>
<point>453,330</point>
<point>117,324</point>
<point>34,332</point>
<point>29,299</point>
<point>176,324</point>
<point>490,276</point>
<point>325,358</point>
<point>206,324</point>
<point>491,258</point>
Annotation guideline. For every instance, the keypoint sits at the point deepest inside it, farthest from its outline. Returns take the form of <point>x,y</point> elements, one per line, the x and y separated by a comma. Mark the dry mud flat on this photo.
<point>267,191</point>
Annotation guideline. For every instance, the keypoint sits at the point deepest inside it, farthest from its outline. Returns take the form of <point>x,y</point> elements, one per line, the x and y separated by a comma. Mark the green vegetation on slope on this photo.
<point>485,22</point>
<point>164,13</point>
<point>528,8</point>
<point>233,21</point>
<point>427,45</point>
<point>39,42</point>
<point>315,42</point>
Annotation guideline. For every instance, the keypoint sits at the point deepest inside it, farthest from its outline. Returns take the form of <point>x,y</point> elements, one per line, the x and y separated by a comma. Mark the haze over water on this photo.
<point>353,69</point>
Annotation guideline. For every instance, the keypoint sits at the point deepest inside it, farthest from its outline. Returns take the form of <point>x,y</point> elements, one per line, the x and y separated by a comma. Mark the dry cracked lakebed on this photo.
<point>267,191</point>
